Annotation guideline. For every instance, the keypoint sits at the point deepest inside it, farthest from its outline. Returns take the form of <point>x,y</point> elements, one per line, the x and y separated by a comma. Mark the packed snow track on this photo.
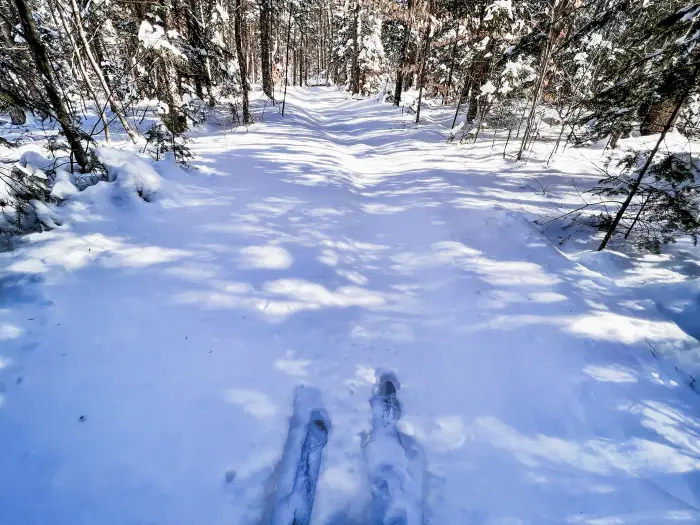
<point>149,351</point>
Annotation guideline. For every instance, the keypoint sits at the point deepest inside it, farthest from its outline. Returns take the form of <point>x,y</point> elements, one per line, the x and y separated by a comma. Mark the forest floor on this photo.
<point>149,350</point>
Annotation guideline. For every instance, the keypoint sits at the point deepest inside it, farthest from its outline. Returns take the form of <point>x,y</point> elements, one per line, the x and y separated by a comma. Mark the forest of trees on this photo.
<point>606,67</point>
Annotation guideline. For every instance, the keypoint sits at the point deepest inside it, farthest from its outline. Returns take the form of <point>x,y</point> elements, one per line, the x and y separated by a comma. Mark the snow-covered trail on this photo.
<point>148,355</point>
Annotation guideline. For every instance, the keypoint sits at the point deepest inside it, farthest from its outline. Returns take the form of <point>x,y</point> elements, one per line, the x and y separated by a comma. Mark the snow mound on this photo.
<point>63,187</point>
<point>45,214</point>
<point>607,262</point>
<point>132,174</point>
<point>680,303</point>
<point>36,161</point>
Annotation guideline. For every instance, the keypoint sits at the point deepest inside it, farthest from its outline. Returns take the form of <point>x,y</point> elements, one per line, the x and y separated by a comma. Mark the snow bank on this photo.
<point>607,262</point>
<point>680,303</point>
<point>131,174</point>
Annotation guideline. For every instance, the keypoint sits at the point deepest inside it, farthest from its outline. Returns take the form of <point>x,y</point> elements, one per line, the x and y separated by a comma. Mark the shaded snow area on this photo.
<point>151,344</point>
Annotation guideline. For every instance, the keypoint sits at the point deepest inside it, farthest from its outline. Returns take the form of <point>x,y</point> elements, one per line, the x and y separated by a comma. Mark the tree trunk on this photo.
<point>286,62</point>
<point>83,72</point>
<point>403,58</point>
<point>40,55</point>
<point>238,29</point>
<point>452,68</point>
<point>98,71</point>
<point>17,116</point>
<point>426,49</point>
<point>635,185</point>
<point>654,116</point>
<point>265,62</point>
<point>294,67</point>
<point>355,68</point>
<point>169,81</point>
<point>538,85</point>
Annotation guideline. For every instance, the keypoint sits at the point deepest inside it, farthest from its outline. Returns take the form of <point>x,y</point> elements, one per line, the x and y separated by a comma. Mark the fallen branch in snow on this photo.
<point>550,221</point>
<point>653,350</point>
<point>544,188</point>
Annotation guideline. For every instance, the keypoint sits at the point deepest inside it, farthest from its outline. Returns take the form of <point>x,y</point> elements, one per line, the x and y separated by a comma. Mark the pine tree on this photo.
<point>669,72</point>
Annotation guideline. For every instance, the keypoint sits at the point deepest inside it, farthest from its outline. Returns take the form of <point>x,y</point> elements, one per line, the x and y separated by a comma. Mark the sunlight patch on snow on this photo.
<point>609,326</point>
<point>192,272</point>
<point>28,266</point>
<point>281,298</point>
<point>453,253</point>
<point>144,256</point>
<point>446,253</point>
<point>548,297</point>
<point>340,477</point>
<point>269,257</point>
<point>446,433</point>
<point>253,403</point>
<point>366,374</point>
<point>9,331</point>
<point>214,300</point>
<point>329,257</point>
<point>538,479</point>
<point>635,457</point>
<point>4,361</point>
<point>670,424</point>
<point>308,292</point>
<point>515,273</point>
<point>512,322</point>
<point>292,367</point>
<point>589,520</point>
<point>610,374</point>
<point>353,277</point>
<point>378,208</point>
<point>280,310</point>
<point>324,212</point>
<point>650,517</point>
<point>451,433</point>
<point>254,463</point>
<point>73,252</point>
<point>396,332</point>
<point>505,298</point>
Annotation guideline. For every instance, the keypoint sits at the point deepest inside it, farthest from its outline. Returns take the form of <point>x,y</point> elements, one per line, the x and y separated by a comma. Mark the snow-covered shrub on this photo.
<point>23,189</point>
<point>160,140</point>
<point>666,205</point>
<point>132,175</point>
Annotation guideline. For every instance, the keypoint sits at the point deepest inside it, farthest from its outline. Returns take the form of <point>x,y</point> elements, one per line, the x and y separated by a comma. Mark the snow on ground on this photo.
<point>149,351</point>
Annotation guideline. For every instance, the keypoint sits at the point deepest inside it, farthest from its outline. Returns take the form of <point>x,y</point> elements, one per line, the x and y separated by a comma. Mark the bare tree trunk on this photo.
<point>207,61</point>
<point>170,80</point>
<point>286,62</point>
<point>40,55</point>
<point>452,67</point>
<point>555,10</point>
<point>83,72</point>
<point>355,68</point>
<point>98,71</point>
<point>265,63</point>
<point>635,185</point>
<point>294,67</point>
<point>462,95</point>
<point>238,36</point>
<point>398,89</point>
<point>426,49</point>
<point>653,116</point>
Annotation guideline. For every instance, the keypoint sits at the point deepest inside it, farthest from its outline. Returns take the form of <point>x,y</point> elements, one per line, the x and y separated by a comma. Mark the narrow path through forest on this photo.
<point>148,360</point>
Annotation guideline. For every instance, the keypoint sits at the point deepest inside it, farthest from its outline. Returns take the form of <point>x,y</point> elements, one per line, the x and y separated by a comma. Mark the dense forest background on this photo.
<point>588,71</point>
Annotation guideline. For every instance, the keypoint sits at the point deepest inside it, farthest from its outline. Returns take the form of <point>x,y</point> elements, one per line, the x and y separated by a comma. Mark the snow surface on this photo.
<point>149,351</point>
